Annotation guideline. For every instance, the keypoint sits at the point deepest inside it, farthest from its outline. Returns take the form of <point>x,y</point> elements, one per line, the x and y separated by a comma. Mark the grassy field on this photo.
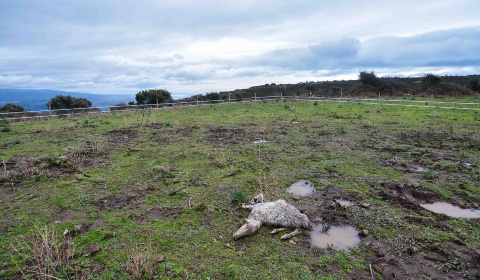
<point>149,194</point>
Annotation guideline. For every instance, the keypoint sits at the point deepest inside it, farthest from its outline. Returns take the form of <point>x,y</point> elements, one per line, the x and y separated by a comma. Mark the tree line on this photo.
<point>369,85</point>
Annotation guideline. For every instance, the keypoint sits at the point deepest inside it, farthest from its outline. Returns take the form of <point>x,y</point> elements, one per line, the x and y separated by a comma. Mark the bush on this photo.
<point>68,102</point>
<point>153,96</point>
<point>10,107</point>
<point>369,79</point>
<point>474,84</point>
<point>430,80</point>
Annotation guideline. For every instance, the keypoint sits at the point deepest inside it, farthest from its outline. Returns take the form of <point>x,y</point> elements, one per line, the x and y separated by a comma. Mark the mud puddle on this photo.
<point>451,210</point>
<point>301,188</point>
<point>337,237</point>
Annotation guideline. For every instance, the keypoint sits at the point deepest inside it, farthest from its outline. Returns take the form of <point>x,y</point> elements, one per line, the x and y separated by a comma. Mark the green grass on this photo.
<point>139,188</point>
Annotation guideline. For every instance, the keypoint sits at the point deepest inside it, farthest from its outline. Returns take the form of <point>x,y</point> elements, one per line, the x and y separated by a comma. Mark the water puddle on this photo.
<point>343,202</point>
<point>259,141</point>
<point>337,237</point>
<point>451,210</point>
<point>301,188</point>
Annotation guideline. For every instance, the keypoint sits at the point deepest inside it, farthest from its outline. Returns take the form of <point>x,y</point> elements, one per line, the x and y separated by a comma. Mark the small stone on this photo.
<point>412,250</point>
<point>366,205</point>
<point>164,248</point>
<point>228,245</point>
<point>378,268</point>
<point>94,249</point>
<point>175,181</point>
<point>459,242</point>
<point>159,258</point>
<point>152,187</point>
<point>296,197</point>
<point>132,195</point>
<point>380,254</point>
<point>429,220</point>
<point>363,233</point>
<point>292,242</point>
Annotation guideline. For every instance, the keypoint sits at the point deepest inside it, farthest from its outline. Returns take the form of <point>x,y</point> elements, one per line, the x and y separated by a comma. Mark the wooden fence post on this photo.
<point>50,109</point>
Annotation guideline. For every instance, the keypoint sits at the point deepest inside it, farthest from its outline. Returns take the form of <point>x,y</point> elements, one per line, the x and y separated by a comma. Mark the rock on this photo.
<point>94,249</point>
<point>363,233</point>
<point>429,220</point>
<point>412,250</point>
<point>296,197</point>
<point>175,181</point>
<point>228,245</point>
<point>366,205</point>
<point>292,242</point>
<point>380,254</point>
<point>151,187</point>
<point>164,248</point>
<point>459,242</point>
<point>378,268</point>
<point>159,258</point>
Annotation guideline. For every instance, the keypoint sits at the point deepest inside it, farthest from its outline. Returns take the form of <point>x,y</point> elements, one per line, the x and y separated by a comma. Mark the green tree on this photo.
<point>213,96</point>
<point>153,96</point>
<point>431,80</point>
<point>68,102</point>
<point>369,79</point>
<point>474,84</point>
<point>10,107</point>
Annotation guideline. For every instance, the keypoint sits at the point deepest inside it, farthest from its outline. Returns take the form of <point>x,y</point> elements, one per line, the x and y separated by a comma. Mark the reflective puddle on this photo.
<point>301,188</point>
<point>343,202</point>
<point>337,237</point>
<point>451,210</point>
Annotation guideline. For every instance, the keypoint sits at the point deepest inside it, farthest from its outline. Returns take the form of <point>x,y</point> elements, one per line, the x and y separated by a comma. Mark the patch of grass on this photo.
<point>116,186</point>
<point>430,174</point>
<point>239,197</point>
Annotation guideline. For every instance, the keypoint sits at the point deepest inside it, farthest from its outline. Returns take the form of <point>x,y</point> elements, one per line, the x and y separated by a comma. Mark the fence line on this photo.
<point>61,113</point>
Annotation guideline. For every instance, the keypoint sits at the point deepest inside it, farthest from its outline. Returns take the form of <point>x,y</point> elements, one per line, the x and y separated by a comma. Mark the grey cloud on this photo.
<point>455,47</point>
<point>329,54</point>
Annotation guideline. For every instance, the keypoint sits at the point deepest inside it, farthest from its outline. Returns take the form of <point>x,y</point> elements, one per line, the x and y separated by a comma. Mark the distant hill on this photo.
<point>35,100</point>
<point>397,86</point>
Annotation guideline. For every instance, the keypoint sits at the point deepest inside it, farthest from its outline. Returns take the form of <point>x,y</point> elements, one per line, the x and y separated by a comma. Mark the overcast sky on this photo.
<point>190,47</point>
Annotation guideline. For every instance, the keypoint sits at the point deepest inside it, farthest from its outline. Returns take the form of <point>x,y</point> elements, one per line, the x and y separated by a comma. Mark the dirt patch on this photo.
<point>117,201</point>
<point>122,136</point>
<point>406,195</point>
<point>165,213</point>
<point>227,136</point>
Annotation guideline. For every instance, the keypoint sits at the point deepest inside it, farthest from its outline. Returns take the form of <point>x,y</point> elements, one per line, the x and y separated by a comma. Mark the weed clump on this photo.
<point>429,175</point>
<point>239,197</point>
<point>5,125</point>
<point>341,130</point>
<point>47,255</point>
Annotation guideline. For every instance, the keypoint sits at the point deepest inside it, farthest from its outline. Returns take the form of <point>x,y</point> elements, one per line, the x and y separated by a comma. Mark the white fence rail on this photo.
<point>60,113</point>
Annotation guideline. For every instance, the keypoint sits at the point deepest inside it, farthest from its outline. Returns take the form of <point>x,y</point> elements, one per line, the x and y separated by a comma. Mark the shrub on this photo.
<point>153,96</point>
<point>431,80</point>
<point>10,107</point>
<point>68,102</point>
<point>369,79</point>
<point>474,84</point>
